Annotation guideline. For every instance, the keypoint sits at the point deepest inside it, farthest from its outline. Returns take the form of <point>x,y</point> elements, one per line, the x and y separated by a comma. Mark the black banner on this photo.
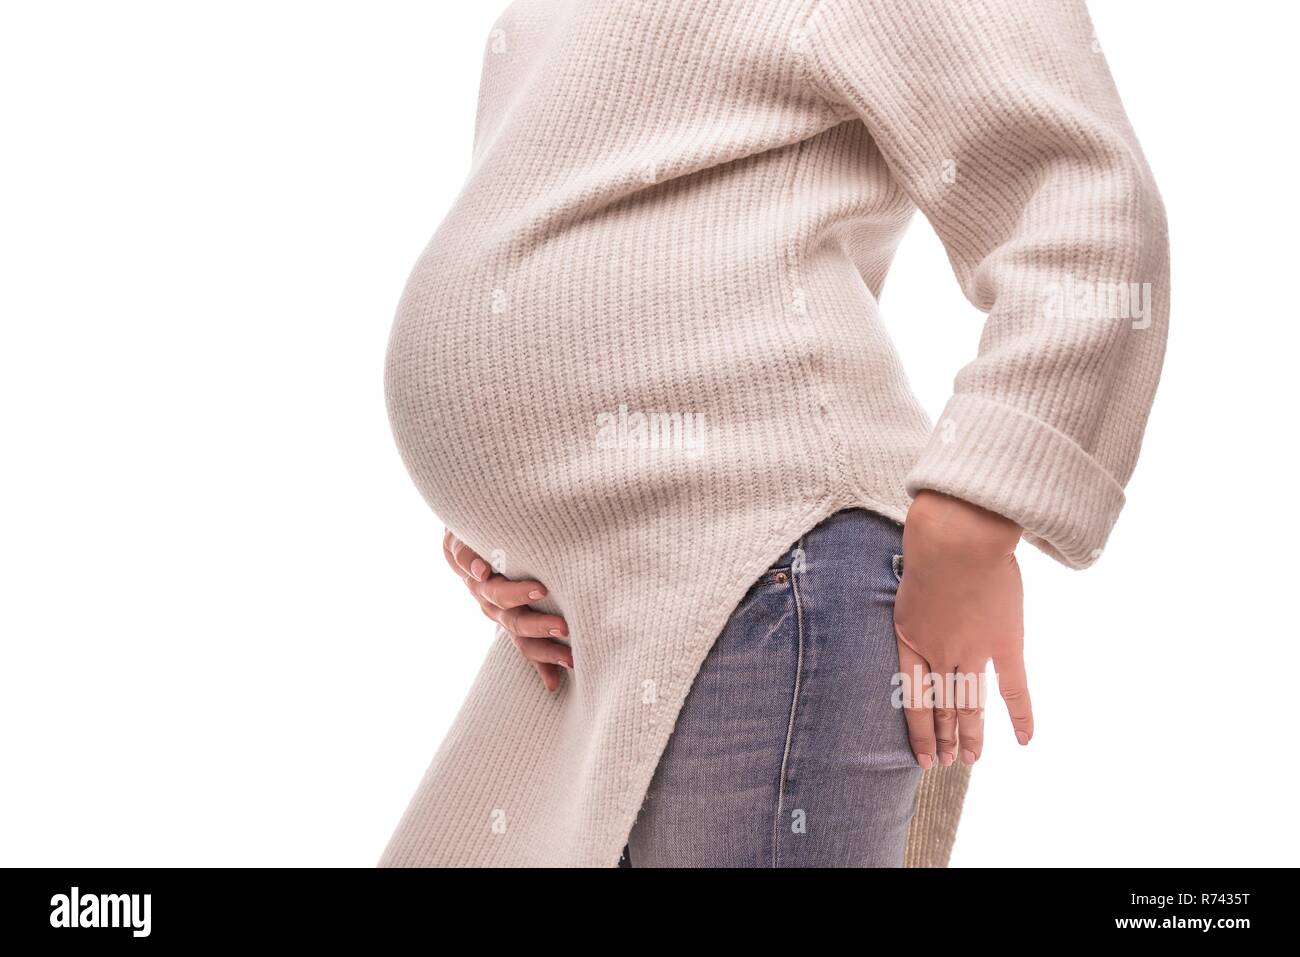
<point>138,908</point>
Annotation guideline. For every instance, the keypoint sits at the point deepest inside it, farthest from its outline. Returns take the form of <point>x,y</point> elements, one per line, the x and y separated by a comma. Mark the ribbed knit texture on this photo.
<point>689,207</point>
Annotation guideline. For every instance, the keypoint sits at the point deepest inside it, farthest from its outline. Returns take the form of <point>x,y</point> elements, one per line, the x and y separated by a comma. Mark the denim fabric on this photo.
<point>788,751</point>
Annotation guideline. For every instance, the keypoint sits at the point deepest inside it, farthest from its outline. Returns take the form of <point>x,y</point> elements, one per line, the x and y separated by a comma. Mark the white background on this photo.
<point>228,636</point>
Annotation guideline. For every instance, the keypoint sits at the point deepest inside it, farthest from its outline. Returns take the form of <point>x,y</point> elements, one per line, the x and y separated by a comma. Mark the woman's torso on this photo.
<point>664,218</point>
<point>650,230</point>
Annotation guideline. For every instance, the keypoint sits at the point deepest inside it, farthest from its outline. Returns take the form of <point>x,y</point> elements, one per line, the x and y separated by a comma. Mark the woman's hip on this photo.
<point>789,750</point>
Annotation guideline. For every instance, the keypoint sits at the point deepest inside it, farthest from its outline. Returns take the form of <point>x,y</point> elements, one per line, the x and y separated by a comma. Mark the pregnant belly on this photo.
<point>577,398</point>
<point>492,418</point>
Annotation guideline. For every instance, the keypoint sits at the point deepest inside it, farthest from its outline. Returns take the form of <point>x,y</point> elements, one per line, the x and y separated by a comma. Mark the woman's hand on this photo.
<point>506,603</point>
<point>960,604</point>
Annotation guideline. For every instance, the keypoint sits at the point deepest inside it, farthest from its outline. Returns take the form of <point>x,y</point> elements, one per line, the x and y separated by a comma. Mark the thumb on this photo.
<point>1014,688</point>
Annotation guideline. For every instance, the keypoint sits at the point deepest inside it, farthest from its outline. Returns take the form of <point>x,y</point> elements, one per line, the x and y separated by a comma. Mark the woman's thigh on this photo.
<point>788,751</point>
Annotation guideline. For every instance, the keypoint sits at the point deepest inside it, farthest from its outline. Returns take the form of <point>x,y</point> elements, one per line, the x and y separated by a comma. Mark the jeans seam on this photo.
<point>794,707</point>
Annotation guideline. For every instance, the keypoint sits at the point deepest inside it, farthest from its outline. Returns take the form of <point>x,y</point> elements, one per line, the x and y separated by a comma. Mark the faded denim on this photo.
<point>789,751</point>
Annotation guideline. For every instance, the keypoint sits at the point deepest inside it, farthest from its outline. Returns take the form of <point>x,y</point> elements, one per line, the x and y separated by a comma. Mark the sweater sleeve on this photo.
<point>1000,120</point>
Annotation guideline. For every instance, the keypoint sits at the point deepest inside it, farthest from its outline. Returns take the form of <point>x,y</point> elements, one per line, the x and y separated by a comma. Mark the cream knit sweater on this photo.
<point>643,352</point>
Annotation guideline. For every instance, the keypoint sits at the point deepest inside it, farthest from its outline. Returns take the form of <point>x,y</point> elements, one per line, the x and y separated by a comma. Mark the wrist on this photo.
<point>956,523</point>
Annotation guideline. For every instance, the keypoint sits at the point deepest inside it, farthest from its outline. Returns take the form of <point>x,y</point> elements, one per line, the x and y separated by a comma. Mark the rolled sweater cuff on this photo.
<point>1009,462</point>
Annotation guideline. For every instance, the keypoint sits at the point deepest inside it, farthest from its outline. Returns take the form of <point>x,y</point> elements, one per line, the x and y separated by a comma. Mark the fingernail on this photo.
<point>925,761</point>
<point>968,755</point>
<point>536,594</point>
<point>476,568</point>
<point>564,664</point>
<point>556,633</point>
<point>945,758</point>
<point>1022,737</point>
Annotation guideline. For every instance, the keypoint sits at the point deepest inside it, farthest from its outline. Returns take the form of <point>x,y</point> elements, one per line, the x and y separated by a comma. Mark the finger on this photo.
<point>447,541</point>
<point>945,725</point>
<point>550,675</point>
<point>469,561</point>
<point>544,650</point>
<point>532,624</point>
<point>920,719</point>
<point>504,593</point>
<point>970,712</point>
<point>1014,688</point>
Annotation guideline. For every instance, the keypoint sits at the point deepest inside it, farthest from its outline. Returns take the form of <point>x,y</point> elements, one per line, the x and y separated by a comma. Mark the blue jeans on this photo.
<point>788,751</point>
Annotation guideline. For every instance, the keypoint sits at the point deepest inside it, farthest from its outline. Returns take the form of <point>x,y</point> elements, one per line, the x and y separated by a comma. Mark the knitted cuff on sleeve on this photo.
<point>1004,460</point>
